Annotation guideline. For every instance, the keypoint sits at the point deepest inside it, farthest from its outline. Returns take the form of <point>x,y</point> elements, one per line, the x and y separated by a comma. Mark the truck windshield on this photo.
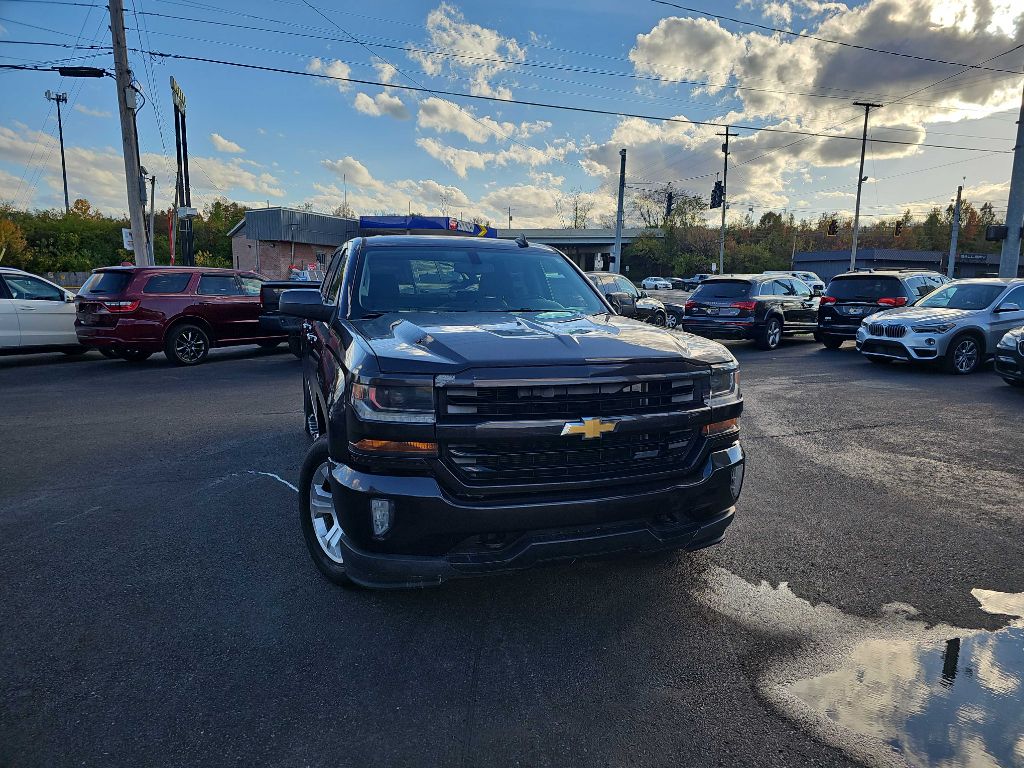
<point>467,279</point>
<point>963,296</point>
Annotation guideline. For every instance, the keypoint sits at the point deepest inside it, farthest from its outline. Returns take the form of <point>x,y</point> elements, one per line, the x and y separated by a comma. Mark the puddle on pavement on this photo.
<point>891,691</point>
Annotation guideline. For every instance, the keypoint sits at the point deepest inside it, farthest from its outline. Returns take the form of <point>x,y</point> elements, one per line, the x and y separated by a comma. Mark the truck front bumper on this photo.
<point>690,514</point>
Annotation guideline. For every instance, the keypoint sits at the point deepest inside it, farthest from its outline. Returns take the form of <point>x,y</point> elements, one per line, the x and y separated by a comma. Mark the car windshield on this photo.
<point>867,288</point>
<point>722,289</point>
<point>472,279</point>
<point>963,296</point>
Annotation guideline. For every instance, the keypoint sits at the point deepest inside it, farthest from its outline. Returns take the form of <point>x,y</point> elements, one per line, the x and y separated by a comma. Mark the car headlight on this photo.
<point>398,402</point>
<point>937,328</point>
<point>1009,341</point>
<point>725,381</point>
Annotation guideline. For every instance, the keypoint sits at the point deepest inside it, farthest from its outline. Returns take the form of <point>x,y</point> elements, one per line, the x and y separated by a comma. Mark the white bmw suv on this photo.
<point>35,315</point>
<point>959,325</point>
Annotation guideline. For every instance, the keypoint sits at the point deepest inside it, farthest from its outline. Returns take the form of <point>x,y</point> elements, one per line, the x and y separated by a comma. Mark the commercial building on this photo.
<point>270,240</point>
<point>828,264</point>
<point>591,249</point>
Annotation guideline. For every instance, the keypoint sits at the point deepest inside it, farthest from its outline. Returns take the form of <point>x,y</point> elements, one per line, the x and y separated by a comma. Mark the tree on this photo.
<point>13,245</point>
<point>345,211</point>
<point>574,209</point>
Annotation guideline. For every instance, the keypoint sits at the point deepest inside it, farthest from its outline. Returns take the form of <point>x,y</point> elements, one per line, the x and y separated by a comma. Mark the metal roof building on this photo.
<point>289,225</point>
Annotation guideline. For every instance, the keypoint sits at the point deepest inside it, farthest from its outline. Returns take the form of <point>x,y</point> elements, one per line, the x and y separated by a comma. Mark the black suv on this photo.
<point>852,296</point>
<point>482,409</point>
<point>628,300</point>
<point>758,307</point>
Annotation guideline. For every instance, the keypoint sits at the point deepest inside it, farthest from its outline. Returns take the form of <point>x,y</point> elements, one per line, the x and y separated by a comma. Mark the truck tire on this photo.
<point>320,526</point>
<point>770,334</point>
<point>295,345</point>
<point>831,342</point>
<point>187,344</point>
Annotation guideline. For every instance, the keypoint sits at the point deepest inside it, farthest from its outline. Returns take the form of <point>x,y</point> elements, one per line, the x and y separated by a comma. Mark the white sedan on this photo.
<point>656,284</point>
<point>35,315</point>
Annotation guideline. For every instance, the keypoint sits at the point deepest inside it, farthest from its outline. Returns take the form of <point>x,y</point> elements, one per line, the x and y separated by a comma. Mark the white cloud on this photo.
<point>445,116</point>
<point>463,160</point>
<point>331,68</point>
<point>449,31</point>
<point>386,73</point>
<point>91,112</point>
<point>225,145</point>
<point>353,171</point>
<point>383,103</point>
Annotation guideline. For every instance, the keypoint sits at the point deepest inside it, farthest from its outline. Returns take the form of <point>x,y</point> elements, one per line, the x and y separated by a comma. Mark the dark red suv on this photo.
<point>132,312</point>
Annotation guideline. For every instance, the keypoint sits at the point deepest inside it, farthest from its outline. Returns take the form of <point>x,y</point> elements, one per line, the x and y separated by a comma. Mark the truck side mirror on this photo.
<point>306,303</point>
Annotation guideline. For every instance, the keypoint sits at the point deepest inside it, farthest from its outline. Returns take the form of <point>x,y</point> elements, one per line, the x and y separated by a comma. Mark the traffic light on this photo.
<point>833,228</point>
<point>899,229</point>
<point>717,195</point>
<point>668,205</point>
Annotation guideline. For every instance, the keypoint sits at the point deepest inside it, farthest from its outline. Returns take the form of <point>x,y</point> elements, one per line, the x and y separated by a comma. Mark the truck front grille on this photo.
<point>567,401</point>
<point>569,459</point>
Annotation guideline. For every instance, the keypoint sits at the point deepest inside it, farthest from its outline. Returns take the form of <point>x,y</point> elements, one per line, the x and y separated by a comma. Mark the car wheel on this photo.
<point>964,355</point>
<point>132,354</point>
<point>268,343</point>
<point>831,342</point>
<point>320,525</point>
<point>1014,382</point>
<point>187,344</point>
<point>108,352</point>
<point>770,335</point>
<point>659,319</point>
<point>295,345</point>
<point>616,306</point>
<point>672,320</point>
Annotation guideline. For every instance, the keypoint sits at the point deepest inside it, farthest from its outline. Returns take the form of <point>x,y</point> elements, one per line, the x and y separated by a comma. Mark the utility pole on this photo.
<point>955,234</point>
<point>510,217</point>
<point>152,219</point>
<point>860,179</point>
<point>126,99</point>
<point>61,98</point>
<point>668,202</point>
<point>617,248</point>
<point>725,197</point>
<point>1009,258</point>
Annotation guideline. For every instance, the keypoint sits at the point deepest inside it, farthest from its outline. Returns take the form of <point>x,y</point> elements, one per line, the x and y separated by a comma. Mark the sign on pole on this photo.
<point>177,95</point>
<point>126,236</point>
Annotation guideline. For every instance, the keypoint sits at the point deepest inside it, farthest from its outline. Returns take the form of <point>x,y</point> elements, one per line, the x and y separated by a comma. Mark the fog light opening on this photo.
<point>736,480</point>
<point>382,515</point>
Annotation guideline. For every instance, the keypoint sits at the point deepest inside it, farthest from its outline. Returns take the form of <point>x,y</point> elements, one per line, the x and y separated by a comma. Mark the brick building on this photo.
<point>270,240</point>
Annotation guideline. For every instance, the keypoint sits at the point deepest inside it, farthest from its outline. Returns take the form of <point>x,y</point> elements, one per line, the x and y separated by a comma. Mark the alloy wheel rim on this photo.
<point>774,333</point>
<point>321,511</point>
<point>671,321</point>
<point>965,357</point>
<point>190,346</point>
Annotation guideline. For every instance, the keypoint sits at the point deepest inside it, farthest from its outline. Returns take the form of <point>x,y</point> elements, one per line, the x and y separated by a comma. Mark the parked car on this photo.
<point>273,322</point>
<point>1010,357</point>
<point>35,315</point>
<point>817,285</point>
<point>763,308</point>
<point>678,283</point>
<point>478,419</point>
<point>691,283</point>
<point>959,325</point>
<point>655,284</point>
<point>852,296</point>
<point>626,300</point>
<point>183,311</point>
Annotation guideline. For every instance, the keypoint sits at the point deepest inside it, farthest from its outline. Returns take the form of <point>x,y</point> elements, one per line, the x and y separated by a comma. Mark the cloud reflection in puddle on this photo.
<point>891,690</point>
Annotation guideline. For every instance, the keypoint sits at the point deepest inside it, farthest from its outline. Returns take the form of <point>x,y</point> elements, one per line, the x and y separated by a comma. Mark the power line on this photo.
<point>903,54</point>
<point>564,107</point>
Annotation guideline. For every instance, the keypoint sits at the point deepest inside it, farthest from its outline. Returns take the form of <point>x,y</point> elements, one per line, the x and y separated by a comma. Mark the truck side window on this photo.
<point>332,282</point>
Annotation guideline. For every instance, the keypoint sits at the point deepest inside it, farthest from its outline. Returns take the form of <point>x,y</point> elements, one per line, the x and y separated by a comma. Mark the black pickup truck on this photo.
<point>271,319</point>
<point>477,406</point>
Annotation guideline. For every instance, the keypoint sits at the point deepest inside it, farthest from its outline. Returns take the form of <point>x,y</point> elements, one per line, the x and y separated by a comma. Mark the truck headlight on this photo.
<point>936,328</point>
<point>725,381</point>
<point>398,402</point>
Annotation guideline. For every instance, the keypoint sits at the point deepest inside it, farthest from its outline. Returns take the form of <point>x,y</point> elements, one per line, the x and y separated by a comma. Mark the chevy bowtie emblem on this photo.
<point>589,428</point>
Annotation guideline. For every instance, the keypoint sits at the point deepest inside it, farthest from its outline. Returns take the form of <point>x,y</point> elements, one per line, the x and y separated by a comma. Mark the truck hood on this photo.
<point>427,342</point>
<point>925,315</point>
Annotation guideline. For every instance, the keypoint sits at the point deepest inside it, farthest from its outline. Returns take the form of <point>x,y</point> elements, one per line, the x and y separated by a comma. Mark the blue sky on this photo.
<point>258,137</point>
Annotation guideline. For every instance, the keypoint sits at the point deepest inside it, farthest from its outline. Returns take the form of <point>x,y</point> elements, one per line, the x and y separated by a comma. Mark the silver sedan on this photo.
<point>959,325</point>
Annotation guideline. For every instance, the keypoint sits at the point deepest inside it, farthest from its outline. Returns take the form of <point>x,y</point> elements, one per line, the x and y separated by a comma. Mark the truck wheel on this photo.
<point>964,355</point>
<point>770,335</point>
<point>132,354</point>
<point>831,342</point>
<point>187,344</point>
<point>320,526</point>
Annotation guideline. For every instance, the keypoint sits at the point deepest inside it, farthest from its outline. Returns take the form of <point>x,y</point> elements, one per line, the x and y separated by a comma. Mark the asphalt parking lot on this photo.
<point>158,607</point>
